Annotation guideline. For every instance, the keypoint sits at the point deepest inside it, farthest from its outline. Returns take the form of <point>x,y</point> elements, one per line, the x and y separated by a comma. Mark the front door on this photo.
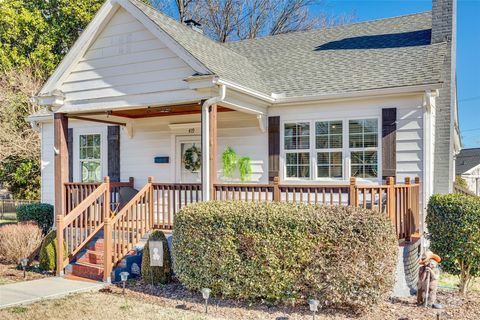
<point>189,159</point>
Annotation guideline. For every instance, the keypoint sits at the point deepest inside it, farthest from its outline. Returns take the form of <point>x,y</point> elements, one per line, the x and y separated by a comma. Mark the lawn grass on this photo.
<point>8,218</point>
<point>451,282</point>
<point>98,306</point>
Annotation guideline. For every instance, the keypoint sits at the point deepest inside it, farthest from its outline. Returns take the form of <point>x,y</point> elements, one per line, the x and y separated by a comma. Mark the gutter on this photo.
<point>206,140</point>
<point>278,99</point>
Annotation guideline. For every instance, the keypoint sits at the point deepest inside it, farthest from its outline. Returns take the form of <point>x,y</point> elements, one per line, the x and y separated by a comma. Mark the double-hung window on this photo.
<point>363,144</point>
<point>90,158</point>
<point>328,146</point>
<point>297,149</point>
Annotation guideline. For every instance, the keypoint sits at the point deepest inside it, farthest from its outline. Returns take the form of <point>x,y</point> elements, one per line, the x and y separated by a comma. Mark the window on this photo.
<point>329,142</point>
<point>297,146</point>
<point>297,136</point>
<point>90,158</point>
<point>363,143</point>
<point>318,149</point>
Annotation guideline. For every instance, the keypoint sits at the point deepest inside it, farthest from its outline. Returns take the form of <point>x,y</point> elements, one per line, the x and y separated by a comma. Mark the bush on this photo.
<point>19,241</point>
<point>278,252</point>
<point>48,252</point>
<point>453,221</point>
<point>157,275</point>
<point>41,213</point>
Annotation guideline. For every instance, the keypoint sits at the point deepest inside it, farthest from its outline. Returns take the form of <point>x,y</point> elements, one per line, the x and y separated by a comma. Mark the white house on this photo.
<point>138,90</point>
<point>467,166</point>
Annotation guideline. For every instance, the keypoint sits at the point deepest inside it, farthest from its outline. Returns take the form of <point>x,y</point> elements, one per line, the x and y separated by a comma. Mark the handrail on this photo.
<point>77,228</point>
<point>127,227</point>
<point>168,198</point>
<point>400,202</point>
<point>76,192</point>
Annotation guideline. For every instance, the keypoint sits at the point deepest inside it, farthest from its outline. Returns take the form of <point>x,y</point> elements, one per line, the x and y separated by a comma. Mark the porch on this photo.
<point>93,209</point>
<point>88,211</point>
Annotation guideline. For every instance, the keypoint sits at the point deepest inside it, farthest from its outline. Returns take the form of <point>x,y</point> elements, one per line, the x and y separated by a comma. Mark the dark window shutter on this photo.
<point>70,154</point>
<point>114,153</point>
<point>273,147</point>
<point>389,142</point>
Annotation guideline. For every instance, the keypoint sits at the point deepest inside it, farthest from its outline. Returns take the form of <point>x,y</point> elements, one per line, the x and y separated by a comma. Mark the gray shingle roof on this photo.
<point>466,160</point>
<point>378,54</point>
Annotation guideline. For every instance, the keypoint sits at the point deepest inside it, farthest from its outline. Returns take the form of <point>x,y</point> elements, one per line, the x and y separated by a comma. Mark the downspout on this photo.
<point>206,140</point>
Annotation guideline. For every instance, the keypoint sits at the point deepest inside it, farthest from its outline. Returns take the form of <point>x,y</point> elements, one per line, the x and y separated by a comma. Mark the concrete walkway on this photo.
<point>31,291</point>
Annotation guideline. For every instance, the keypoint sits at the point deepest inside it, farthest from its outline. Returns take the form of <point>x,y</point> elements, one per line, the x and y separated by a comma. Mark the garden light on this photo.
<point>206,295</point>
<point>313,304</point>
<point>24,263</point>
<point>124,278</point>
<point>438,313</point>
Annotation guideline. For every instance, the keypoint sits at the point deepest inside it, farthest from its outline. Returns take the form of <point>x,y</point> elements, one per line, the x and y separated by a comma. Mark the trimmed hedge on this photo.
<point>279,252</point>
<point>48,252</point>
<point>453,221</point>
<point>157,275</point>
<point>41,213</point>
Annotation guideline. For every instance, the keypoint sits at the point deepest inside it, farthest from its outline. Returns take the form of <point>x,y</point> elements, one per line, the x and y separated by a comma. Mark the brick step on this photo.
<point>91,256</point>
<point>86,270</point>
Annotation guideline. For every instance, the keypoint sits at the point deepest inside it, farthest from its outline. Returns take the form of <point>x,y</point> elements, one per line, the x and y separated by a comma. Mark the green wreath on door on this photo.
<point>192,159</point>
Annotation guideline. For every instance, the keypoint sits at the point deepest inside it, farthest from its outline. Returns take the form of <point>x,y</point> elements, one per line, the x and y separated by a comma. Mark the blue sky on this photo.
<point>468,49</point>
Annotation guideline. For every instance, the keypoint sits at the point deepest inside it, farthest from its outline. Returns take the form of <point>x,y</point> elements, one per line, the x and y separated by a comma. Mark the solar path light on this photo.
<point>206,295</point>
<point>124,278</point>
<point>24,263</point>
<point>313,304</point>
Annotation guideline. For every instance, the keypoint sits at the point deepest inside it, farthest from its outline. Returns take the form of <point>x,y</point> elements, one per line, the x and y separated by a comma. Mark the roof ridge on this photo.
<point>326,28</point>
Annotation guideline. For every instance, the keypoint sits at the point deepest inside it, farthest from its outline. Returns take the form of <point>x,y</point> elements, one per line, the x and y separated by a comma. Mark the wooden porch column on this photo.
<point>61,160</point>
<point>212,114</point>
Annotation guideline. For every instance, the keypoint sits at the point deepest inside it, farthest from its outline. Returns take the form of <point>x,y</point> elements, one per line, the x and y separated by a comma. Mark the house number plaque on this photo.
<point>156,253</point>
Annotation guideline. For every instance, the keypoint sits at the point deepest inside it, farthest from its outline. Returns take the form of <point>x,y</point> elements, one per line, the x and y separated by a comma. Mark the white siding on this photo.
<point>125,63</point>
<point>409,125</point>
<point>47,163</point>
<point>153,137</point>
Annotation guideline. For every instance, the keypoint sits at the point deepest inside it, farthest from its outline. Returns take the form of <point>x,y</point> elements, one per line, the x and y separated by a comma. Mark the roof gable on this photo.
<point>95,31</point>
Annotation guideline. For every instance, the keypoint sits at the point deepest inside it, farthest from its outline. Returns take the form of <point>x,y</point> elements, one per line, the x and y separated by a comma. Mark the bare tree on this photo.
<point>17,139</point>
<point>226,20</point>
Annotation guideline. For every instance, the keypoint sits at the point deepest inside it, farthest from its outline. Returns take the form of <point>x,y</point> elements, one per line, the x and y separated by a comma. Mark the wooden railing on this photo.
<point>400,202</point>
<point>83,222</point>
<point>76,192</point>
<point>169,198</point>
<point>127,227</point>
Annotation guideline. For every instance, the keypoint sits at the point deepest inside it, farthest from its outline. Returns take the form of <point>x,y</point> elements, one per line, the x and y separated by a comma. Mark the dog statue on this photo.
<point>428,276</point>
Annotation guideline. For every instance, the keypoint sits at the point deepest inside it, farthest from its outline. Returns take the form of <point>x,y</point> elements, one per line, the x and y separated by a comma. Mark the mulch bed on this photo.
<point>9,273</point>
<point>176,296</point>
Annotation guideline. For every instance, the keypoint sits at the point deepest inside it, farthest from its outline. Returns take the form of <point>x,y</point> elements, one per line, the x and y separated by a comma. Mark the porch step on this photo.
<point>86,270</point>
<point>91,256</point>
<point>96,245</point>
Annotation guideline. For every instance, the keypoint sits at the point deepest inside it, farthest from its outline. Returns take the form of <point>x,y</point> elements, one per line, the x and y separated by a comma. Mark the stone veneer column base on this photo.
<point>406,275</point>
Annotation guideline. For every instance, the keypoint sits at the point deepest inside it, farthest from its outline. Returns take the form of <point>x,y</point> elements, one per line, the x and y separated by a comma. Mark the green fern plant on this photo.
<point>229,159</point>
<point>245,168</point>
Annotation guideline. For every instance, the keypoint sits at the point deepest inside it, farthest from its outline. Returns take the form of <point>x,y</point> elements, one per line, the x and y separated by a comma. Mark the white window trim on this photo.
<point>77,132</point>
<point>345,152</point>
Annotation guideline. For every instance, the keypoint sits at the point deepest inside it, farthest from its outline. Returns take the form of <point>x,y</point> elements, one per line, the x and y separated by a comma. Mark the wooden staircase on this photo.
<point>96,237</point>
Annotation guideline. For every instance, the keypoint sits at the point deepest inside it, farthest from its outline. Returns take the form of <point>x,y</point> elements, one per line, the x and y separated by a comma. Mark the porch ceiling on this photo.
<point>149,112</point>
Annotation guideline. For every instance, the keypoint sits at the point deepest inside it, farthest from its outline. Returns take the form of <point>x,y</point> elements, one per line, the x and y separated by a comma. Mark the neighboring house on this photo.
<point>138,91</point>
<point>467,166</point>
